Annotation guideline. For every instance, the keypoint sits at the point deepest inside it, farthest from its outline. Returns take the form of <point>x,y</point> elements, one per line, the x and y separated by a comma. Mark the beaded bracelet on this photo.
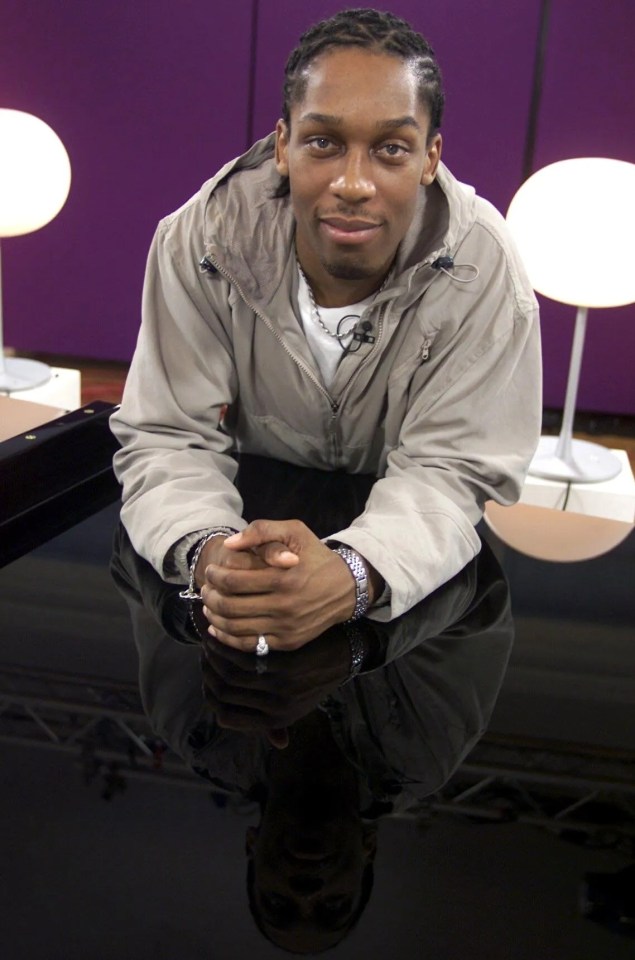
<point>192,593</point>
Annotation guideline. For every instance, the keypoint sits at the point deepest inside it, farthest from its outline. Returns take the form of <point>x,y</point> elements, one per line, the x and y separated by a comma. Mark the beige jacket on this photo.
<point>444,407</point>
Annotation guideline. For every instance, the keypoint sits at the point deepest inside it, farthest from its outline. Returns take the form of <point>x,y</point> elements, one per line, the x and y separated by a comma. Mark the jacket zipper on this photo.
<point>367,358</point>
<point>333,404</point>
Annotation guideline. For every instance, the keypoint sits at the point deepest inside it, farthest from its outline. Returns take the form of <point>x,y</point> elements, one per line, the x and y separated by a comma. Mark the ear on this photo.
<point>282,148</point>
<point>369,843</point>
<point>433,155</point>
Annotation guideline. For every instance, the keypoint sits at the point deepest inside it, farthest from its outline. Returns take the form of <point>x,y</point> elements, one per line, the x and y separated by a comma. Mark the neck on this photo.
<point>337,292</point>
<point>312,754</point>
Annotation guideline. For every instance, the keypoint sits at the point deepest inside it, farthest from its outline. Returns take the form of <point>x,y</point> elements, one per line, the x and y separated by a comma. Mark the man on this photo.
<point>355,309</point>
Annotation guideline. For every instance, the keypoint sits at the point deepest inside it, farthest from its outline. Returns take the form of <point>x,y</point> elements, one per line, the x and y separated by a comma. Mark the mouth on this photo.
<point>353,231</point>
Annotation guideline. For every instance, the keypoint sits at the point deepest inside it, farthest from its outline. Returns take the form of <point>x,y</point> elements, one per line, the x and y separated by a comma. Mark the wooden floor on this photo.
<point>104,380</point>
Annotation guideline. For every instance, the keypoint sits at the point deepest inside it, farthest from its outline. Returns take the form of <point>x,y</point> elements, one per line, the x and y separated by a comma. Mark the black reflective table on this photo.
<point>460,796</point>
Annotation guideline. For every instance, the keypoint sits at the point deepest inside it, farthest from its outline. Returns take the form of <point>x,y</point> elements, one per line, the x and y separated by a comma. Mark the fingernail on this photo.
<point>205,612</point>
<point>234,537</point>
<point>211,631</point>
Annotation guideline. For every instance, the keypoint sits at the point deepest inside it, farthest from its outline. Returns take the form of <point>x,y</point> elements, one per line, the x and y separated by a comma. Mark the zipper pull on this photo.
<point>425,350</point>
<point>207,265</point>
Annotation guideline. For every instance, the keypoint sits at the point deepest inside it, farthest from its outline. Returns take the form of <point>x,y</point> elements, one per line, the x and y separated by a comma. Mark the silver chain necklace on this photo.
<point>315,313</point>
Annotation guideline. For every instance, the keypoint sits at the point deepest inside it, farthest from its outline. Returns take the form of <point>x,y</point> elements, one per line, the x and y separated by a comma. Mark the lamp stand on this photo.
<point>18,374</point>
<point>563,458</point>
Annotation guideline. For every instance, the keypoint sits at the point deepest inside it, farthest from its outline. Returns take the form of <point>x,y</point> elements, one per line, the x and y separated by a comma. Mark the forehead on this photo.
<point>354,83</point>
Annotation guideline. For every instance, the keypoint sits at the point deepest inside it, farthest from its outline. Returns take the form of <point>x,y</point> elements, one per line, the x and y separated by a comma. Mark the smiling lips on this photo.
<point>349,231</point>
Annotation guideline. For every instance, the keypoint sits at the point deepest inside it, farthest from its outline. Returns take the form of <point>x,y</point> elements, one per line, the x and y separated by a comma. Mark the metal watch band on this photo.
<point>355,638</point>
<point>360,575</point>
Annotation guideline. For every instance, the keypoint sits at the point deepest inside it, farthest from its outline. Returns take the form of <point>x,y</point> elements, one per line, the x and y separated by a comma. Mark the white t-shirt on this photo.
<point>326,350</point>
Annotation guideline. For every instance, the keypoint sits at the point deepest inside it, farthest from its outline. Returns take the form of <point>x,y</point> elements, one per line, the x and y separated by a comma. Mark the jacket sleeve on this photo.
<point>467,436</point>
<point>175,461</point>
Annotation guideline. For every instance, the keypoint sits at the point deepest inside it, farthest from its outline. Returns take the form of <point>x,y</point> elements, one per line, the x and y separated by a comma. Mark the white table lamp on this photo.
<point>35,177</point>
<point>574,225</point>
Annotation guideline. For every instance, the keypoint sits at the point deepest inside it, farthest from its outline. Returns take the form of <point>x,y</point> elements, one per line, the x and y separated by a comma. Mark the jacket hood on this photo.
<point>247,226</point>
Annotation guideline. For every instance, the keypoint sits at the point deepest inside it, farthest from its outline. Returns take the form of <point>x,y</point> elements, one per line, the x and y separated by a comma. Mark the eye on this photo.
<point>393,151</point>
<point>321,145</point>
<point>334,908</point>
<point>279,909</point>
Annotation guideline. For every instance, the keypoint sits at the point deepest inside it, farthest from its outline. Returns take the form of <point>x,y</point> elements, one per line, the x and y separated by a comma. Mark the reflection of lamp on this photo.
<point>35,177</point>
<point>555,535</point>
<point>574,225</point>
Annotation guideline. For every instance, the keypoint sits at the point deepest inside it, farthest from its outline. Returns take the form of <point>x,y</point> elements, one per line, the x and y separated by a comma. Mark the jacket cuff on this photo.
<point>176,562</point>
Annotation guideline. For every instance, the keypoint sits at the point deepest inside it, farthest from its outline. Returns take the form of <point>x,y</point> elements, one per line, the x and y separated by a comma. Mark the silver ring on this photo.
<point>262,648</point>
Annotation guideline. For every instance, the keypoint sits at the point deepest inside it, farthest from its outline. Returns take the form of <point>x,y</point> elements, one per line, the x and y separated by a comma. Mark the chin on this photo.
<point>350,271</point>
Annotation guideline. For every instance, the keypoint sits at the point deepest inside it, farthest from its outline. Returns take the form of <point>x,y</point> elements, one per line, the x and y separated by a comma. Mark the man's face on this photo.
<point>356,154</point>
<point>309,860</point>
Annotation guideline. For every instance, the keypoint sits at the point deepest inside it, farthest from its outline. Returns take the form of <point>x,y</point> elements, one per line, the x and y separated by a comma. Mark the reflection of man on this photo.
<point>310,858</point>
<point>372,748</point>
<point>356,309</point>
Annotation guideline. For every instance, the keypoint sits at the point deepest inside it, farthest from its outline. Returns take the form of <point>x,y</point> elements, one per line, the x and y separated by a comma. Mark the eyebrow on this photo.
<point>332,120</point>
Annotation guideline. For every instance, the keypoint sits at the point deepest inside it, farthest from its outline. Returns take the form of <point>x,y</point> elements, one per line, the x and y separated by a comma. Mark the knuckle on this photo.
<point>223,607</point>
<point>278,582</point>
<point>228,584</point>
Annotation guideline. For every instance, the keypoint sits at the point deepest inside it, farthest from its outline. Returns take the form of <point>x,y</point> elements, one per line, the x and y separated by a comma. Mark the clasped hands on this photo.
<point>274,578</point>
<point>269,702</point>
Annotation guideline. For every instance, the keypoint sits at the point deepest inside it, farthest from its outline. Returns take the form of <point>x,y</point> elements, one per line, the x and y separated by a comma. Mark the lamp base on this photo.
<point>23,374</point>
<point>589,463</point>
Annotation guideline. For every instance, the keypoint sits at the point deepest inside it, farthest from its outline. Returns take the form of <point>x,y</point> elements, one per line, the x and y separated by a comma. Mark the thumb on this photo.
<point>277,555</point>
<point>278,738</point>
<point>262,532</point>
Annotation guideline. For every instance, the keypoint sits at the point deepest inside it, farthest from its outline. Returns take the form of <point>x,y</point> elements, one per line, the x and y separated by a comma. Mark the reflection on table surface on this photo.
<point>165,797</point>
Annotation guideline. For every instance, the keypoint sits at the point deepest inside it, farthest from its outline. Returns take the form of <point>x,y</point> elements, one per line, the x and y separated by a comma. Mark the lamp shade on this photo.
<point>35,173</point>
<point>574,225</point>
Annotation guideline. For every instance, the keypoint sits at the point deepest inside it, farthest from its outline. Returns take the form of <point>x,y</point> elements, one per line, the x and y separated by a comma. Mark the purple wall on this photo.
<point>151,100</point>
<point>587,110</point>
<point>467,48</point>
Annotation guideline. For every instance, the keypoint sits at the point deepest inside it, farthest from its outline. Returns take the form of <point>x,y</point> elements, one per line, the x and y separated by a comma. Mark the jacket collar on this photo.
<point>249,231</point>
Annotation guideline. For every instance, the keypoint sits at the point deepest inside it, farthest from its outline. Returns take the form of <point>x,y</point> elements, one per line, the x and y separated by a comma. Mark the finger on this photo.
<point>278,738</point>
<point>260,532</point>
<point>246,643</point>
<point>245,694</point>
<point>239,719</point>
<point>277,555</point>
<point>241,560</point>
<point>231,582</point>
<point>234,664</point>
<point>248,615</point>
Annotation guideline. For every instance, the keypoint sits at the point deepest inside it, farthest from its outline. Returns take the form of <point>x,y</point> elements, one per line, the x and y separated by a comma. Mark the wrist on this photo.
<point>198,560</point>
<point>207,556</point>
<point>376,584</point>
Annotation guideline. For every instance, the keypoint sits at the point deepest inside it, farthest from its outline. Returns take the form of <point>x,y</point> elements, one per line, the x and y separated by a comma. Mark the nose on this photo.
<point>354,182</point>
<point>305,884</point>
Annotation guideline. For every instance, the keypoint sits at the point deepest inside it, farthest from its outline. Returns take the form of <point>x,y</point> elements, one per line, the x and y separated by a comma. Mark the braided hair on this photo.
<point>375,31</point>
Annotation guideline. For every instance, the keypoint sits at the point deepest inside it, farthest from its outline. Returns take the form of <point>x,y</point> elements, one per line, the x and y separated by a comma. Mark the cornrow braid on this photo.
<point>379,32</point>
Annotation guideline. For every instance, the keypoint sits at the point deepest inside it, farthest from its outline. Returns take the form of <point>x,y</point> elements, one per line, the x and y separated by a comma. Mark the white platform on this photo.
<point>63,390</point>
<point>613,499</point>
